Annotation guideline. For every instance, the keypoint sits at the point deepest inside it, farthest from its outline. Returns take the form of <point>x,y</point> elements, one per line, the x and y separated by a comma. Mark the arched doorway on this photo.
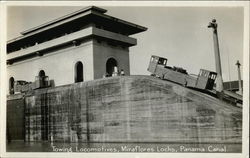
<point>110,66</point>
<point>41,73</point>
<point>42,78</point>
<point>78,72</point>
<point>11,85</point>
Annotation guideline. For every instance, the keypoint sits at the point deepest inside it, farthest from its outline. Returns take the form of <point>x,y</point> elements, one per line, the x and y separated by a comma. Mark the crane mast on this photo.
<point>219,80</point>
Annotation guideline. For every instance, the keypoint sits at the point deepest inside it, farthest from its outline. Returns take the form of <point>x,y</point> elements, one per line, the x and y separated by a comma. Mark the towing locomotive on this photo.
<point>203,81</point>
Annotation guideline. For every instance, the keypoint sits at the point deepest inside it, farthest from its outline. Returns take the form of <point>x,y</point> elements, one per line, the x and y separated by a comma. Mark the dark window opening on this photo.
<point>41,73</point>
<point>110,66</point>
<point>162,61</point>
<point>11,85</point>
<point>78,72</point>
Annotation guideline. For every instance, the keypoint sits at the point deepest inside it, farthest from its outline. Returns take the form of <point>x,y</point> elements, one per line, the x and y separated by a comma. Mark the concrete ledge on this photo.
<point>52,43</point>
<point>90,31</point>
<point>114,36</point>
<point>15,96</point>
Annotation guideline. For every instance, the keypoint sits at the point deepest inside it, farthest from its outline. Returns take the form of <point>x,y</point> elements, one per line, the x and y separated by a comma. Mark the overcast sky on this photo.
<point>177,33</point>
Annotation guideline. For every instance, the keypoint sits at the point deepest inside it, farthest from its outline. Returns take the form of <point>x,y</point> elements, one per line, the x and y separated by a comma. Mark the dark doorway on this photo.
<point>78,72</point>
<point>11,85</point>
<point>42,78</point>
<point>110,65</point>
<point>41,73</point>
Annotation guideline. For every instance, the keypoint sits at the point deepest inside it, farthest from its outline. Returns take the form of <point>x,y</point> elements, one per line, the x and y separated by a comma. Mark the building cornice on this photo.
<point>69,40</point>
<point>90,14</point>
<point>70,16</point>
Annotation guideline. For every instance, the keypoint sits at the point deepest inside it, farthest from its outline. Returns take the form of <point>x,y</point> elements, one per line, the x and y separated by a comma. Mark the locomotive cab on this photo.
<point>158,67</point>
<point>206,79</point>
<point>156,61</point>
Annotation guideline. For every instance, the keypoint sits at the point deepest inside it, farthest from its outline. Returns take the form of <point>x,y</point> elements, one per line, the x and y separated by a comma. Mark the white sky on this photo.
<point>177,33</point>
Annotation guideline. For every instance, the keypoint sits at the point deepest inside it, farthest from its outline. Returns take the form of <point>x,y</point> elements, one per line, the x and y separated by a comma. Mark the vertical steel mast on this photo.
<point>219,83</point>
<point>239,77</point>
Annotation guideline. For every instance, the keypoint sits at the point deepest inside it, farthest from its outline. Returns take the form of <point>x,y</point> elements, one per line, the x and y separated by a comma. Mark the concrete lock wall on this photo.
<point>129,109</point>
<point>15,119</point>
<point>59,65</point>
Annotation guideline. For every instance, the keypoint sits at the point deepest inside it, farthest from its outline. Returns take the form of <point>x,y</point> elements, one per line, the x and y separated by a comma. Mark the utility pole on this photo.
<point>239,77</point>
<point>219,83</point>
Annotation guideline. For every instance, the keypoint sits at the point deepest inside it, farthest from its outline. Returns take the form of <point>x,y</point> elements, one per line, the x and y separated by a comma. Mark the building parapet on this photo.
<point>63,18</point>
<point>71,23</point>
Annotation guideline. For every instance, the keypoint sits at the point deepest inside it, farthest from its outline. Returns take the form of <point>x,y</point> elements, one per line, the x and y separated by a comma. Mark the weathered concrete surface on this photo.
<point>15,118</point>
<point>130,109</point>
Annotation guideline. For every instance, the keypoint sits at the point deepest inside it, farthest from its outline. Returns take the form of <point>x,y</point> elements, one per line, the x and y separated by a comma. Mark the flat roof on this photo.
<point>90,14</point>
<point>97,9</point>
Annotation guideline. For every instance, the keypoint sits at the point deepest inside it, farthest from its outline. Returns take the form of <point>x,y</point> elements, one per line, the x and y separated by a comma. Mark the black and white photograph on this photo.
<point>125,78</point>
